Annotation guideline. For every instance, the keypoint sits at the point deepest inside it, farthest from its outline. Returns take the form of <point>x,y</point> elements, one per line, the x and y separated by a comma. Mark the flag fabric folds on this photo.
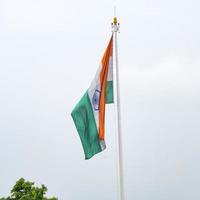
<point>89,113</point>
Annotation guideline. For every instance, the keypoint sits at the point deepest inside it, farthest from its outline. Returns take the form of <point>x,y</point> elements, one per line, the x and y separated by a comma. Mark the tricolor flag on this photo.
<point>89,113</point>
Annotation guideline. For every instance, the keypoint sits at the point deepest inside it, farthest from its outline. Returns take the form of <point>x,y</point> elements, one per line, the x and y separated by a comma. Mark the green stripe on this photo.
<point>109,92</point>
<point>85,124</point>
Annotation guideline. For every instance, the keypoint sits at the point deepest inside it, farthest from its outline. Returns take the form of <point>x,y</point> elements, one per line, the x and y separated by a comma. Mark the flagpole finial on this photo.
<point>115,21</point>
<point>115,25</point>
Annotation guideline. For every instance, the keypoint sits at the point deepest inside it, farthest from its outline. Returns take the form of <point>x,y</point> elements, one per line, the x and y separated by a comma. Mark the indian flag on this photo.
<point>89,113</point>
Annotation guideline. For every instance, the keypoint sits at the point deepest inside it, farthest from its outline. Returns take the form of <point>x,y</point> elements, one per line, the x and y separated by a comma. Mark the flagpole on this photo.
<point>115,29</point>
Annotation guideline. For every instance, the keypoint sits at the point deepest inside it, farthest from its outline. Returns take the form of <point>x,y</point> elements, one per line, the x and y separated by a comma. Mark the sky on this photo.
<point>49,53</point>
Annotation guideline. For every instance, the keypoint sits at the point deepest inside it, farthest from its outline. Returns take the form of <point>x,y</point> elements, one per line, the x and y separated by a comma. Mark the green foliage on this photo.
<point>25,190</point>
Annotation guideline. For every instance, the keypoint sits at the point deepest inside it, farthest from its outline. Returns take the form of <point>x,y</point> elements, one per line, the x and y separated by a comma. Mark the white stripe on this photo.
<point>110,69</point>
<point>95,85</point>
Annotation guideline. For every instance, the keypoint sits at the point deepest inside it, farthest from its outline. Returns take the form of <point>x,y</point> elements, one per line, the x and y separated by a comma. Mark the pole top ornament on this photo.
<point>115,25</point>
<point>115,21</point>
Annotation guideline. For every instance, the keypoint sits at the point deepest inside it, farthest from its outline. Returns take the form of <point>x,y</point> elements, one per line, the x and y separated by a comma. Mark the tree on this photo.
<point>25,190</point>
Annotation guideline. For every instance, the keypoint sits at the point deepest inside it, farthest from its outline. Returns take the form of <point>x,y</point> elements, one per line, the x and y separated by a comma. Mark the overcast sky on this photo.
<point>49,53</point>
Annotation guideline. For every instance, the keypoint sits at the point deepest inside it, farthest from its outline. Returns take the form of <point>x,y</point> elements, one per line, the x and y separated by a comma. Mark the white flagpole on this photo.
<point>115,29</point>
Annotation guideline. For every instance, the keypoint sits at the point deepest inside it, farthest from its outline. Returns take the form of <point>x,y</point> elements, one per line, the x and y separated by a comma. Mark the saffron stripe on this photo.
<point>103,81</point>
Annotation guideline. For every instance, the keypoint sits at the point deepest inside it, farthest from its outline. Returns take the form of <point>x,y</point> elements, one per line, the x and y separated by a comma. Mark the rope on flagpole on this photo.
<point>115,30</point>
